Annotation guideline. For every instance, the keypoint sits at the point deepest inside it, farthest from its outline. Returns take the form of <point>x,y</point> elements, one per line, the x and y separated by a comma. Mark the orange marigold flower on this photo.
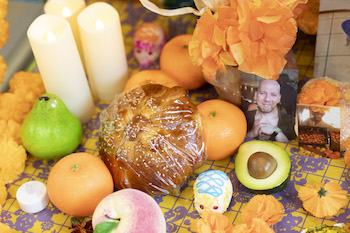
<point>323,200</point>
<point>212,222</point>
<point>256,226</point>
<point>264,207</point>
<point>254,35</point>
<point>208,45</point>
<point>320,92</point>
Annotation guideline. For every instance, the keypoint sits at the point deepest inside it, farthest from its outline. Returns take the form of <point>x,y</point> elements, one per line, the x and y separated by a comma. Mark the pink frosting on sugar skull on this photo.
<point>149,40</point>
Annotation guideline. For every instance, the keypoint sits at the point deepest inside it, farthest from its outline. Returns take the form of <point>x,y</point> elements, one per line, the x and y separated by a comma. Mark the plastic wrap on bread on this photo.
<point>151,139</point>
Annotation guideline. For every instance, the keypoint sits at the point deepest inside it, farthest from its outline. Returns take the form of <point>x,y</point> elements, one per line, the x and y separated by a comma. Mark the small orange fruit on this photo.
<point>78,182</point>
<point>175,60</point>
<point>150,77</point>
<point>225,127</point>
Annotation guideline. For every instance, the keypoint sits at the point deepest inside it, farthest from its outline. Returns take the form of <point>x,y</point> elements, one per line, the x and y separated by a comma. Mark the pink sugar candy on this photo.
<point>149,40</point>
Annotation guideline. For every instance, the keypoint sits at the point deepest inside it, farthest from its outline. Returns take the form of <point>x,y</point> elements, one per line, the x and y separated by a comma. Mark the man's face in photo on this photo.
<point>318,116</point>
<point>268,95</point>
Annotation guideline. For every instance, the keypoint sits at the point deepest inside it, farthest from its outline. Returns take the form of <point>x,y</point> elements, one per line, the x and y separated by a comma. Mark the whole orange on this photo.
<point>150,77</point>
<point>175,60</point>
<point>78,182</point>
<point>225,127</point>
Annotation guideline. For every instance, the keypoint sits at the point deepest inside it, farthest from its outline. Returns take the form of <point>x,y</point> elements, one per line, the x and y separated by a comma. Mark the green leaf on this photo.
<point>75,167</point>
<point>106,227</point>
<point>322,192</point>
<point>75,221</point>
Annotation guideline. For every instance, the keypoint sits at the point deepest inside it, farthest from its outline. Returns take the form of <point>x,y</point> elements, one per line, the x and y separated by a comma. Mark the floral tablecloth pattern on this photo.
<point>179,210</point>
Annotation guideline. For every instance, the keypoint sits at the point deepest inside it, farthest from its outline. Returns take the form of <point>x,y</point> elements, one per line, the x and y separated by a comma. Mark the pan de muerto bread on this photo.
<point>151,139</point>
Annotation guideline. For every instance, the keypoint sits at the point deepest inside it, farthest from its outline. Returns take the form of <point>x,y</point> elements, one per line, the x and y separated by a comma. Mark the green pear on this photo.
<point>50,130</point>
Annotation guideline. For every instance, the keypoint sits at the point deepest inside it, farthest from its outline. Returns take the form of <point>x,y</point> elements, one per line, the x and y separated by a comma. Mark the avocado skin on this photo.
<point>276,189</point>
<point>277,181</point>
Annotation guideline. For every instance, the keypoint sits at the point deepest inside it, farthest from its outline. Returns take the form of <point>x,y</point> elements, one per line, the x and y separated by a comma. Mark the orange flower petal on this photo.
<point>264,207</point>
<point>292,4</point>
<point>269,19</point>
<point>323,200</point>
<point>256,30</point>
<point>260,226</point>
<point>237,52</point>
<point>227,59</point>
<point>320,93</point>
<point>241,228</point>
<point>209,50</point>
<point>219,37</point>
<point>258,34</point>
<point>212,222</point>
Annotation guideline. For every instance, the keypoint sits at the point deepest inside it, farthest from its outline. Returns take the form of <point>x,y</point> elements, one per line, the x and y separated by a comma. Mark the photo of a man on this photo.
<point>319,130</point>
<point>266,121</point>
<point>316,119</point>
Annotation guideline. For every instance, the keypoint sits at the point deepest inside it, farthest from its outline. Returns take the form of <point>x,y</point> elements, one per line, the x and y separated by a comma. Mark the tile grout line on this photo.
<point>328,45</point>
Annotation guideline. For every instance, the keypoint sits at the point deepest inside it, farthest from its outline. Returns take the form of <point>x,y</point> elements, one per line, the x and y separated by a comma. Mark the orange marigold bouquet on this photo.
<point>253,35</point>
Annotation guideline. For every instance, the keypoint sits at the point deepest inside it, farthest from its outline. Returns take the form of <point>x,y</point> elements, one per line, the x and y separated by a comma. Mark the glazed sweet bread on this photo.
<point>151,139</point>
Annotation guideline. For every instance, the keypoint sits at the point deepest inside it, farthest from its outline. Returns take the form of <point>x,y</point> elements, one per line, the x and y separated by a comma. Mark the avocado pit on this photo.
<point>261,165</point>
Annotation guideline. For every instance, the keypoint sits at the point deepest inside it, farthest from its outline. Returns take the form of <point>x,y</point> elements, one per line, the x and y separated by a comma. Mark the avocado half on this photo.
<point>263,167</point>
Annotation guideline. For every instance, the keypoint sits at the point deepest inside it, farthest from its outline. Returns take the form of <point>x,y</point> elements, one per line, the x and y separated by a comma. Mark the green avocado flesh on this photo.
<point>263,167</point>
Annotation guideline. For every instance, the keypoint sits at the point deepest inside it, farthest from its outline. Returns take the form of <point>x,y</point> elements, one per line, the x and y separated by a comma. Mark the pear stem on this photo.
<point>44,98</point>
<point>116,219</point>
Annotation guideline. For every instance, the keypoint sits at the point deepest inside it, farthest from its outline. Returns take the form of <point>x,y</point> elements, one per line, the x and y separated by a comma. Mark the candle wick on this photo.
<point>50,36</point>
<point>66,12</point>
<point>99,25</point>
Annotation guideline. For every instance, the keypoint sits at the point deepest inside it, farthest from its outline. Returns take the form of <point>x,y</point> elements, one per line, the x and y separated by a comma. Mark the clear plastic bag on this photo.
<point>151,139</point>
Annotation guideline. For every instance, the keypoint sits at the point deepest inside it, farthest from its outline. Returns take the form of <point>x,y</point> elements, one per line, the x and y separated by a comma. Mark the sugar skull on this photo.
<point>149,40</point>
<point>212,191</point>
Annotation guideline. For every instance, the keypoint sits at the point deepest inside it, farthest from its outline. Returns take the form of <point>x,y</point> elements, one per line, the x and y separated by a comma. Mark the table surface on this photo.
<point>179,210</point>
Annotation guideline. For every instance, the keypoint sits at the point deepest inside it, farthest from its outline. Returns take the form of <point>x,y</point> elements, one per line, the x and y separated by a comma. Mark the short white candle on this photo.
<point>103,49</point>
<point>68,9</point>
<point>59,64</point>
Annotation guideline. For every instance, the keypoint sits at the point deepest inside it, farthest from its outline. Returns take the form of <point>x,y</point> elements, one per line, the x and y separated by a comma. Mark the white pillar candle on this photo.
<point>68,9</point>
<point>59,64</point>
<point>103,49</point>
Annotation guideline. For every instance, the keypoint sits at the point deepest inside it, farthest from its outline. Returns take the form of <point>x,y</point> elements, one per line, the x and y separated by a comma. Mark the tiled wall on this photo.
<point>332,55</point>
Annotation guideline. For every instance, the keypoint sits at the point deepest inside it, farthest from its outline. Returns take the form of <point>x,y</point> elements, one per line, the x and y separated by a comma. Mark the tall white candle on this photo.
<point>68,9</point>
<point>59,64</point>
<point>103,49</point>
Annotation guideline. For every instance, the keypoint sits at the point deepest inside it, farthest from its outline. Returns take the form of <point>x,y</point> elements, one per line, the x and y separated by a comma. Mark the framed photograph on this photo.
<point>319,130</point>
<point>270,106</point>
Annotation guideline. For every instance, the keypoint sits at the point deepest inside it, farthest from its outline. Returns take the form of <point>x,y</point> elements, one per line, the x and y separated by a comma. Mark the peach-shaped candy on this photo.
<point>136,211</point>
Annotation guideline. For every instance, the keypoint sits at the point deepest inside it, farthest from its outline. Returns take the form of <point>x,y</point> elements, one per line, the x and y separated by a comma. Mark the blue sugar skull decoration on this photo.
<point>212,191</point>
